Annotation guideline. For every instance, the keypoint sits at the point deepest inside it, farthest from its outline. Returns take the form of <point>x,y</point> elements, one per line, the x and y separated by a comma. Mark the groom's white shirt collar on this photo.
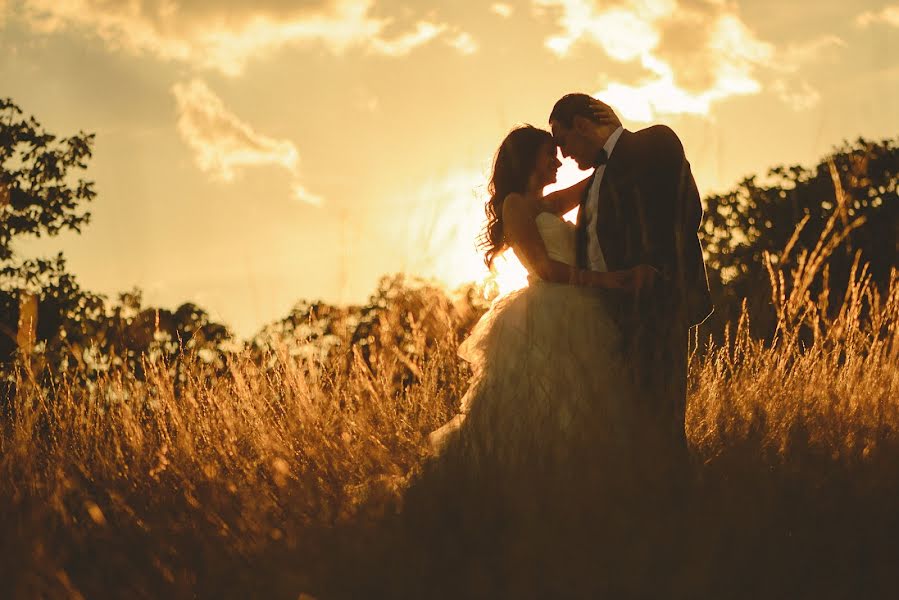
<point>613,139</point>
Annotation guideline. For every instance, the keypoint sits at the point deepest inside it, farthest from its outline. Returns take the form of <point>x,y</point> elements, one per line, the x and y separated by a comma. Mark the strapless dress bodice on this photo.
<point>558,236</point>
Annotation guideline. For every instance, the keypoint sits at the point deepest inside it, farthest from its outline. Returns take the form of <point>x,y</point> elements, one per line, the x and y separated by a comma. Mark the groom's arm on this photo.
<point>678,210</point>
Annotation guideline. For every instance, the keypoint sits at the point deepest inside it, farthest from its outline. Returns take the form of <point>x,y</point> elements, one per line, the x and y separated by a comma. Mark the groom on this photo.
<point>641,213</point>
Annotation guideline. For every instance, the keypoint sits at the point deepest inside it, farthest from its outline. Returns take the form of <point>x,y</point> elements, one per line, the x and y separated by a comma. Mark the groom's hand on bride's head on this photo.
<point>603,114</point>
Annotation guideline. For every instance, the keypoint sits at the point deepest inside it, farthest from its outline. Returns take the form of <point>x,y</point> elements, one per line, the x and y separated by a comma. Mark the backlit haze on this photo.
<point>250,154</point>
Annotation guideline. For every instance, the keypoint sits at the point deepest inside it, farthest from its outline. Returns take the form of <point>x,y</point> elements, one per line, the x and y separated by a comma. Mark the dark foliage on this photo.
<point>858,182</point>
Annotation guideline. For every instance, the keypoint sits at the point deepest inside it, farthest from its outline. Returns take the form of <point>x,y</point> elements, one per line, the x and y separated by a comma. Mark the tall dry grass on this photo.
<point>223,490</point>
<point>278,478</point>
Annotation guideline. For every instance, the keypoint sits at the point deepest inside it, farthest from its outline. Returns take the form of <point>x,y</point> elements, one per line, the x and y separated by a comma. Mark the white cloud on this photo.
<point>225,37</point>
<point>692,54</point>
<point>400,46</point>
<point>720,54</point>
<point>304,195</point>
<point>503,10</point>
<point>797,93</point>
<point>464,43</point>
<point>224,145</point>
<point>623,33</point>
<point>793,56</point>
<point>798,98</point>
<point>889,15</point>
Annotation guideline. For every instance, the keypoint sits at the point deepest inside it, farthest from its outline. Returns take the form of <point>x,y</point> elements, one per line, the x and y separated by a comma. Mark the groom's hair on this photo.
<point>570,106</point>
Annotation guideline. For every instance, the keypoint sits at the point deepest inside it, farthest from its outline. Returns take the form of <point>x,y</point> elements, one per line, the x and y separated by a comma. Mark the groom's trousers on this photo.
<point>655,347</point>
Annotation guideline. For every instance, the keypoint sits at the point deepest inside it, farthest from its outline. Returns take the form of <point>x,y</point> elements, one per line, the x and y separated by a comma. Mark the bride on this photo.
<point>547,369</point>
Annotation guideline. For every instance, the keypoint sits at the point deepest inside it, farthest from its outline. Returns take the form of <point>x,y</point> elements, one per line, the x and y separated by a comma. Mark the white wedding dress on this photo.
<point>547,370</point>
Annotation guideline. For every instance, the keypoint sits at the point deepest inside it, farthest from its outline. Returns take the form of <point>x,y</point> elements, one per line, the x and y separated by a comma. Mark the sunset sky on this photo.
<point>253,153</point>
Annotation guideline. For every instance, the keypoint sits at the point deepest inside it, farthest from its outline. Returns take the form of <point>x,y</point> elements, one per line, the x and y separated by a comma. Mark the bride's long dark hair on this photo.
<point>512,167</point>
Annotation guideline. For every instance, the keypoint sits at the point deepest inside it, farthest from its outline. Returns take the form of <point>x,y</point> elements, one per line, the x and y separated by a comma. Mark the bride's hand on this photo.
<point>643,277</point>
<point>612,280</point>
<point>615,280</point>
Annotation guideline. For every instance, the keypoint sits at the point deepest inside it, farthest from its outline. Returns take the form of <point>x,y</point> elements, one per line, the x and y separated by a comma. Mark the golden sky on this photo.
<point>252,153</point>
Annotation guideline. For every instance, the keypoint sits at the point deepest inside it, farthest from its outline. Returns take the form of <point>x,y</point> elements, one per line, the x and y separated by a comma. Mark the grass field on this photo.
<point>280,478</point>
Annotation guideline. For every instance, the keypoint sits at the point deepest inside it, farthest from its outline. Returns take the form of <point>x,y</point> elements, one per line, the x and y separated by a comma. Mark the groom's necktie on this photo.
<point>601,158</point>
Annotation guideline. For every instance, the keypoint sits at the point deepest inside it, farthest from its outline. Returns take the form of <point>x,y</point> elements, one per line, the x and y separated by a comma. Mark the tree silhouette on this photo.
<point>40,195</point>
<point>37,179</point>
<point>857,182</point>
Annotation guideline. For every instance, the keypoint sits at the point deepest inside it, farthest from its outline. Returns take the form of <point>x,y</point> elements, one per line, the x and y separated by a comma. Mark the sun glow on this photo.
<point>441,232</point>
<point>506,276</point>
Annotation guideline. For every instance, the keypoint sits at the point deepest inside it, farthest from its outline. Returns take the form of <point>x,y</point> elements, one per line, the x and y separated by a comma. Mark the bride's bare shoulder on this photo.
<point>519,204</point>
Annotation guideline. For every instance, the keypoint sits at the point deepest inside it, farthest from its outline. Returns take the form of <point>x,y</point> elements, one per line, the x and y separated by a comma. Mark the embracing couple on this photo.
<point>596,345</point>
<point>567,467</point>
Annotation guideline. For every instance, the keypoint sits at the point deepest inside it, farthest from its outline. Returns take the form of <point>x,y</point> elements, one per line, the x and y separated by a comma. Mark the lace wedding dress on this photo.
<point>547,371</point>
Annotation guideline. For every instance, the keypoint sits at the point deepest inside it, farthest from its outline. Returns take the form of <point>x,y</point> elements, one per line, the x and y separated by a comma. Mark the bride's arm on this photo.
<point>519,223</point>
<point>562,201</point>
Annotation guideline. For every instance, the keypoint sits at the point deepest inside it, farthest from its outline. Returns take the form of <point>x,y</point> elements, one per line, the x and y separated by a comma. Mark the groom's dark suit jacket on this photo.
<point>649,212</point>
